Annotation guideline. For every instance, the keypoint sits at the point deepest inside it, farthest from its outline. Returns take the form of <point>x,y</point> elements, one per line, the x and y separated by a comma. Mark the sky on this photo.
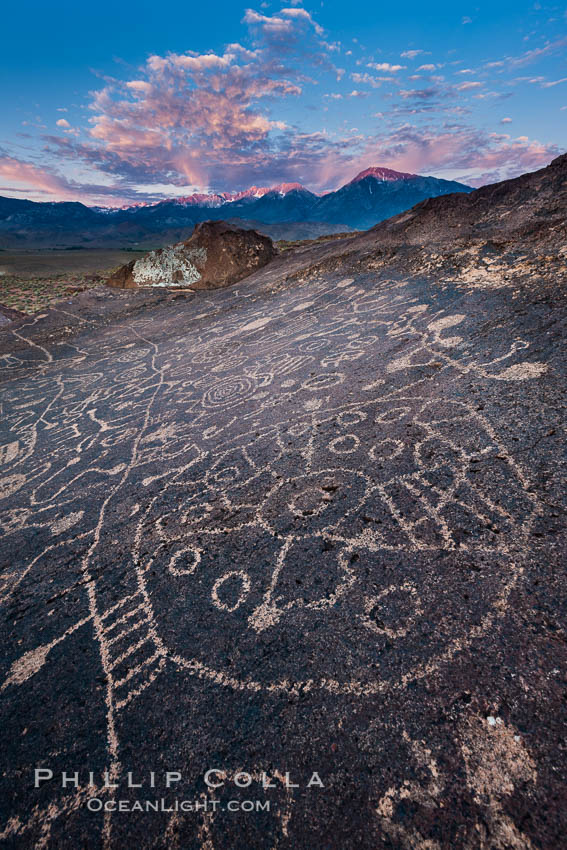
<point>116,103</point>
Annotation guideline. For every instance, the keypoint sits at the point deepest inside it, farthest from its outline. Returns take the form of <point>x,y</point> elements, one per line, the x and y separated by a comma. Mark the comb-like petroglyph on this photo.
<point>308,494</point>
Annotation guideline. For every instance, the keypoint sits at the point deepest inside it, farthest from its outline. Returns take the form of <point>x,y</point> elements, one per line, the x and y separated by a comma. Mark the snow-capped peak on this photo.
<point>387,175</point>
<point>259,191</point>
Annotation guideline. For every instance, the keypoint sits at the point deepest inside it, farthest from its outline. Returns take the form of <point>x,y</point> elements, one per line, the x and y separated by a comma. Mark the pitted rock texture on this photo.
<point>529,208</point>
<point>217,254</point>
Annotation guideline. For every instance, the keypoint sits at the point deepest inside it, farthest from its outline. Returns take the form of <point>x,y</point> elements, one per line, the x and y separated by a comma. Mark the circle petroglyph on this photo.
<point>351,417</point>
<point>184,562</point>
<point>219,591</point>
<point>345,445</point>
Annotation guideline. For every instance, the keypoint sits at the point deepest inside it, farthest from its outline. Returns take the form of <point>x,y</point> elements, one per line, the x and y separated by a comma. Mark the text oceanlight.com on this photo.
<point>95,804</point>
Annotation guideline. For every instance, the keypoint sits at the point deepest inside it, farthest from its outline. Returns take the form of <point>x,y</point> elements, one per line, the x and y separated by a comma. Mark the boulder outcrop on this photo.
<point>217,254</point>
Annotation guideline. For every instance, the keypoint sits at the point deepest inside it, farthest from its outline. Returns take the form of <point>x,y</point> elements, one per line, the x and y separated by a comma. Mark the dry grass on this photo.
<point>32,281</point>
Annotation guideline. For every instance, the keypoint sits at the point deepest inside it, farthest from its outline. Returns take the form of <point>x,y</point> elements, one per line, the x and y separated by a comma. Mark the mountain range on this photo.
<point>287,210</point>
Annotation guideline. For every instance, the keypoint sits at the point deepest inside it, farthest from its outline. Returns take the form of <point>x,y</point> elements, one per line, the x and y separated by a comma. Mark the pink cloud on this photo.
<point>469,84</point>
<point>282,23</point>
<point>419,94</point>
<point>552,83</point>
<point>368,79</point>
<point>40,180</point>
<point>303,14</point>
<point>191,63</point>
<point>44,184</point>
<point>200,120</point>
<point>539,53</point>
<point>461,153</point>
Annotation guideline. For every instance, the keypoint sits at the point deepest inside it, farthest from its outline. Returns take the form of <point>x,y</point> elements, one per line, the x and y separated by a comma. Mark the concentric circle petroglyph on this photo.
<point>229,391</point>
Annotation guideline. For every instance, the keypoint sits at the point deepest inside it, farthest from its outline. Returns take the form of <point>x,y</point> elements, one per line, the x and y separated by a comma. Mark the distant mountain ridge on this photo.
<point>217,199</point>
<point>374,195</point>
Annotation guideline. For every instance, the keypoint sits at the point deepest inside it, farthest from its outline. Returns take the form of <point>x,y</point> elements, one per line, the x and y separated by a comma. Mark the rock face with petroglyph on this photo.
<point>312,522</point>
<point>216,255</point>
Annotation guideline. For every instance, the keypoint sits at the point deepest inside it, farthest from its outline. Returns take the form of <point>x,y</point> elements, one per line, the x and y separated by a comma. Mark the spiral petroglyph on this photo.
<point>229,391</point>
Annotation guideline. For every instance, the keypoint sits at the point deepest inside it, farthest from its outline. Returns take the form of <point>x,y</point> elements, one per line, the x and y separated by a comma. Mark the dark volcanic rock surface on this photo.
<point>217,254</point>
<point>531,207</point>
<point>312,522</point>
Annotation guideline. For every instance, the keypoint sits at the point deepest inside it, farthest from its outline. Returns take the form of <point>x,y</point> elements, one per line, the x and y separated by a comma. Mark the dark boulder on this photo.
<point>217,254</point>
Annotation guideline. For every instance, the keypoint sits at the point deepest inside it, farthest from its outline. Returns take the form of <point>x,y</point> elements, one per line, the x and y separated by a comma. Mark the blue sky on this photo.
<point>121,102</point>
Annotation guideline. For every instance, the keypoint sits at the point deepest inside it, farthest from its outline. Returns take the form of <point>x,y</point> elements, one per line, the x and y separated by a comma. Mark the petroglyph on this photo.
<point>495,762</point>
<point>242,481</point>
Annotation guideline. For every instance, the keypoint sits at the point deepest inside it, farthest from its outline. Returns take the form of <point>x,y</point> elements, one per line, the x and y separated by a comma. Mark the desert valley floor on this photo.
<point>303,525</point>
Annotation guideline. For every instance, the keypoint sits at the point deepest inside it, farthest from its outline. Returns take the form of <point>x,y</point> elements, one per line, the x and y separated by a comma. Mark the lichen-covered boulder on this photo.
<point>216,255</point>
